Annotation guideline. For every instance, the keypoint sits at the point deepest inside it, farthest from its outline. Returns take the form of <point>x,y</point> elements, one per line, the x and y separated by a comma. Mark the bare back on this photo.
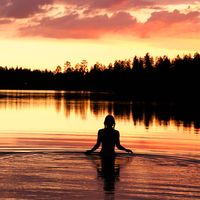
<point>109,138</point>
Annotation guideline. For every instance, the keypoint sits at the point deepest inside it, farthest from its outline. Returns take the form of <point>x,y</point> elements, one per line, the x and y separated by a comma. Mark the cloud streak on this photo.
<point>125,4</point>
<point>171,24</point>
<point>72,26</point>
<point>161,23</point>
<point>24,8</point>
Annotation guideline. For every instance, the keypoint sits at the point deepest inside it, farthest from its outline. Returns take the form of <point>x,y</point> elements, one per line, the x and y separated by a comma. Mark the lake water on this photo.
<point>54,119</point>
<point>43,135</point>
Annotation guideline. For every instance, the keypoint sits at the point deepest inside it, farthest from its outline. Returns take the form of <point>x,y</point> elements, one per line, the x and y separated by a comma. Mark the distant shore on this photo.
<point>142,78</point>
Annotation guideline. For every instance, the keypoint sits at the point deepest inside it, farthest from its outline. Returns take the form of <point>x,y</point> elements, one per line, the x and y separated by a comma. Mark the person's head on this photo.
<point>109,121</point>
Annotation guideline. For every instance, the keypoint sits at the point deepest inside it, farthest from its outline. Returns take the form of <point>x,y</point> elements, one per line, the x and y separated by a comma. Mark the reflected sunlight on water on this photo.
<point>57,119</point>
<point>43,135</point>
<point>50,175</point>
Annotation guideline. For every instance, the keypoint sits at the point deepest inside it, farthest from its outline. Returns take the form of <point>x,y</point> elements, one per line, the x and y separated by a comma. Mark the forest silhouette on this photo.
<point>140,78</point>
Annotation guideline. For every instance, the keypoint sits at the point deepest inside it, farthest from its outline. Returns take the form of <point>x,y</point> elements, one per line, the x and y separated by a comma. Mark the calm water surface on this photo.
<point>43,135</point>
<point>54,119</point>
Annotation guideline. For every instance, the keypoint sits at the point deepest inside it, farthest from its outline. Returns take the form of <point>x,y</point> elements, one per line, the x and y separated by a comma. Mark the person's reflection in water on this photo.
<point>109,171</point>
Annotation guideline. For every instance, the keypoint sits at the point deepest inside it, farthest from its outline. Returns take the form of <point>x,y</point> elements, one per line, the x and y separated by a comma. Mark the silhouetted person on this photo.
<point>108,138</point>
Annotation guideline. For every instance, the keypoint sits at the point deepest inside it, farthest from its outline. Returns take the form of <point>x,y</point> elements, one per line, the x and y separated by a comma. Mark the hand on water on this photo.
<point>129,151</point>
<point>88,152</point>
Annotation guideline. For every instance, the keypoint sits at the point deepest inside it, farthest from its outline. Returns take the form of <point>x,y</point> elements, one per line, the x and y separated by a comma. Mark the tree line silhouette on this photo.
<point>142,77</point>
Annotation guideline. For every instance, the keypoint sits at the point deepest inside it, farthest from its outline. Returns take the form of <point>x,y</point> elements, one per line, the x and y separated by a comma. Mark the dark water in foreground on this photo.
<point>67,175</point>
<point>43,135</point>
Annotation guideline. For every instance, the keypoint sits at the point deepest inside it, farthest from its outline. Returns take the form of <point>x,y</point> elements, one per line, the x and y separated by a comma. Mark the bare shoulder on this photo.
<point>116,132</point>
<point>101,131</point>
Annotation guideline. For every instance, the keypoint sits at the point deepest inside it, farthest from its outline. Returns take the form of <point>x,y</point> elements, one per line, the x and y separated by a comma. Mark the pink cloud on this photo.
<point>170,24</point>
<point>5,21</point>
<point>72,26</point>
<point>175,2</point>
<point>27,8</point>
<point>21,8</point>
<point>108,4</point>
<point>75,25</point>
<point>173,17</point>
<point>124,4</point>
<point>163,24</point>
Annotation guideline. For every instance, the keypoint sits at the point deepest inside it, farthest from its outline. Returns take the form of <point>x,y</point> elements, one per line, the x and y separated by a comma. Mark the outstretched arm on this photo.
<point>96,146</point>
<point>119,146</point>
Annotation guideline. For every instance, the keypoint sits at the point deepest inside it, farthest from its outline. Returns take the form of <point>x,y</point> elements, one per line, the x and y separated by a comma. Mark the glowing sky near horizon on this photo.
<point>45,33</point>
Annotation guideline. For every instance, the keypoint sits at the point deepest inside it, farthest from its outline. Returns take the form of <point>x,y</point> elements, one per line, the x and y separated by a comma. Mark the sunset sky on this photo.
<point>42,34</point>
